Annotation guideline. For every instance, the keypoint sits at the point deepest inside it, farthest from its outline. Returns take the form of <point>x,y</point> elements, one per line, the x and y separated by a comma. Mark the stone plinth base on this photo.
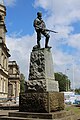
<point>41,102</point>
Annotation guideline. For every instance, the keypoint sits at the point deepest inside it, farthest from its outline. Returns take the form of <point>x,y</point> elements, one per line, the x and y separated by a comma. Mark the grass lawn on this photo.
<point>73,108</point>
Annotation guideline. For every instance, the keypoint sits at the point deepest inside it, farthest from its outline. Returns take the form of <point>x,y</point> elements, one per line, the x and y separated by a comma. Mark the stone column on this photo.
<point>16,89</point>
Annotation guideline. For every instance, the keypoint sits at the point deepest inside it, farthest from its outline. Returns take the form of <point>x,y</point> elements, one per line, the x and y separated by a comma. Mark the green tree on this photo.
<point>64,82</point>
<point>22,82</point>
<point>77,90</point>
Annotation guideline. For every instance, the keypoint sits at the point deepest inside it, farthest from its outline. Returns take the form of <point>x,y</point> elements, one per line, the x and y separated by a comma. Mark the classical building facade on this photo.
<point>9,70</point>
<point>14,79</point>
<point>4,54</point>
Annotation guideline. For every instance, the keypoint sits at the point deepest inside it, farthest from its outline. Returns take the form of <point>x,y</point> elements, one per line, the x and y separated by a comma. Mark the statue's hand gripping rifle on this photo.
<point>44,29</point>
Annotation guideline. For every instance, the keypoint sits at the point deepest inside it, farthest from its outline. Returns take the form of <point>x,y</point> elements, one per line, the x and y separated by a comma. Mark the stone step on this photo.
<point>21,118</point>
<point>18,118</point>
<point>54,115</point>
<point>31,115</point>
<point>62,115</point>
<point>14,118</point>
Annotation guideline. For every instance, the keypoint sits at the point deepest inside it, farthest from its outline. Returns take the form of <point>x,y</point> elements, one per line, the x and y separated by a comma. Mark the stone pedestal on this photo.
<point>42,91</point>
<point>41,73</point>
<point>44,102</point>
<point>41,64</point>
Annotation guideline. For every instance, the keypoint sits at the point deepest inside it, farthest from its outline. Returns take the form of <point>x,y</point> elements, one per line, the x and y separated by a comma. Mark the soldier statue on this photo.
<point>40,28</point>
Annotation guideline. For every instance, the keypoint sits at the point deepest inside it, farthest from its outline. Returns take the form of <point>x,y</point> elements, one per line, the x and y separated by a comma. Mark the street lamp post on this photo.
<point>73,78</point>
<point>67,82</point>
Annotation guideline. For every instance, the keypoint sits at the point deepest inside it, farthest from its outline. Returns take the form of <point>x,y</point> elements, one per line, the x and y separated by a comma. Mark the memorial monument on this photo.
<point>41,99</point>
<point>42,91</point>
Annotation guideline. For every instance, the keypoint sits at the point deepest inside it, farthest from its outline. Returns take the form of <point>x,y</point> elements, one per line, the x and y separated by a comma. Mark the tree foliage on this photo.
<point>64,82</point>
<point>22,82</point>
<point>77,90</point>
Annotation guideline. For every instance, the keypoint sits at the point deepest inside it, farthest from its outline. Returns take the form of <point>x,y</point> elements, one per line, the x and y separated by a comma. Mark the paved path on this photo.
<point>5,112</point>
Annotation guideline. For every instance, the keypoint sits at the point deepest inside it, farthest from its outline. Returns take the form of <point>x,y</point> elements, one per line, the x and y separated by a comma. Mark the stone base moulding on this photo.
<point>59,115</point>
<point>41,85</point>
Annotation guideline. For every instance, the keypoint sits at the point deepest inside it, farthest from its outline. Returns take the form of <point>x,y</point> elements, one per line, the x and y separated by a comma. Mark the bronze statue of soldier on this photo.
<point>40,27</point>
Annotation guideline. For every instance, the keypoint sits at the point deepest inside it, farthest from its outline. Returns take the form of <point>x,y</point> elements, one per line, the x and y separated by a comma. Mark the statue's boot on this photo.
<point>46,43</point>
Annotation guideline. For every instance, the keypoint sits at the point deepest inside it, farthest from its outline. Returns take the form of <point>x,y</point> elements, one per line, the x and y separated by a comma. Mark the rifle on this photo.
<point>50,30</point>
<point>44,29</point>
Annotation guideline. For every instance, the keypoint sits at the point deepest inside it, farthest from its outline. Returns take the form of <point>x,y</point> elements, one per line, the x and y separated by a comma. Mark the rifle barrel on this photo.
<point>46,29</point>
<point>51,30</point>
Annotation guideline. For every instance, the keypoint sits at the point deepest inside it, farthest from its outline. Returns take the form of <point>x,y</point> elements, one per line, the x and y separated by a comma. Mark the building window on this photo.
<point>10,70</point>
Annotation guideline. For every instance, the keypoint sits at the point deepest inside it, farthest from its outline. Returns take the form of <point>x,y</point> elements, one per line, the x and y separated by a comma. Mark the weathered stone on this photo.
<point>41,85</point>
<point>42,92</point>
<point>52,85</point>
<point>41,64</point>
<point>36,85</point>
<point>41,73</point>
<point>41,102</point>
<point>58,115</point>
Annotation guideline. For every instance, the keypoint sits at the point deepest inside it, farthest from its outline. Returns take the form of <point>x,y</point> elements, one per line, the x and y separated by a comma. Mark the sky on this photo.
<point>62,16</point>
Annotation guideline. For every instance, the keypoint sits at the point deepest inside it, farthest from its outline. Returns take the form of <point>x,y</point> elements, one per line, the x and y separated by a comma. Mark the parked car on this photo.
<point>77,102</point>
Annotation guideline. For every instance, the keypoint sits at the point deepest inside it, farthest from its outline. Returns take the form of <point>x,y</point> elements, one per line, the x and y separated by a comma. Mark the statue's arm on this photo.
<point>35,24</point>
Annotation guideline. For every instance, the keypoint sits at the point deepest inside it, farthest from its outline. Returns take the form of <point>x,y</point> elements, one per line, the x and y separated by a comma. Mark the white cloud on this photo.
<point>60,14</point>
<point>10,2</point>
<point>20,49</point>
<point>74,41</point>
